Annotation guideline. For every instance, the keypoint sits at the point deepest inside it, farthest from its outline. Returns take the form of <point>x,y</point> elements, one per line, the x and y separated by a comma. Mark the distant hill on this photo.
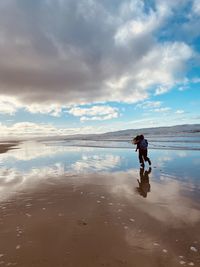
<point>180,130</point>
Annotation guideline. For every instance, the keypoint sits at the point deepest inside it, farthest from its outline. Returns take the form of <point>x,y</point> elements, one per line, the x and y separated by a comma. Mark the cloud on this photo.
<point>8,105</point>
<point>58,53</point>
<point>185,25</point>
<point>196,7</point>
<point>159,119</point>
<point>149,104</point>
<point>94,113</point>
<point>162,109</point>
<point>179,111</point>
<point>195,80</point>
<point>154,106</point>
<point>23,129</point>
<point>52,109</point>
<point>29,129</point>
<point>141,23</point>
<point>161,90</point>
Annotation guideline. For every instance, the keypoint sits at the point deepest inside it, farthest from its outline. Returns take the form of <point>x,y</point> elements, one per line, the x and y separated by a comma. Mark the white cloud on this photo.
<point>179,111</point>
<point>143,23</point>
<point>187,82</point>
<point>5,108</point>
<point>8,105</point>
<point>52,109</point>
<point>161,90</point>
<point>23,129</point>
<point>29,129</point>
<point>153,106</point>
<point>168,63</point>
<point>196,7</point>
<point>49,62</point>
<point>94,113</point>
<point>162,109</point>
<point>144,122</point>
<point>159,119</point>
<point>149,104</point>
<point>196,80</point>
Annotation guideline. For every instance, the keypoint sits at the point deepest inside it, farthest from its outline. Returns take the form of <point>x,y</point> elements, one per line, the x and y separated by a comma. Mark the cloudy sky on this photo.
<point>88,66</point>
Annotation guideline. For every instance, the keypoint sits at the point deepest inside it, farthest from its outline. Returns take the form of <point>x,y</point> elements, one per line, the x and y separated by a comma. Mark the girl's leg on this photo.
<point>141,158</point>
<point>145,157</point>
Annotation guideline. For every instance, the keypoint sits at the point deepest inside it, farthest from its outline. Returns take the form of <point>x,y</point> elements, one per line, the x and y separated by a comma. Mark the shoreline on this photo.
<point>181,145</point>
<point>6,146</point>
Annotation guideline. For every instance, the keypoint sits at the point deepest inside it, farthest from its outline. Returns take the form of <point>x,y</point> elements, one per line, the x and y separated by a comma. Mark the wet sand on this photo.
<point>98,219</point>
<point>87,225</point>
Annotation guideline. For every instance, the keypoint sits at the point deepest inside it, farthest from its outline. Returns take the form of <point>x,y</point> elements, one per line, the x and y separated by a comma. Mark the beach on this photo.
<point>89,90</point>
<point>5,146</point>
<point>91,206</point>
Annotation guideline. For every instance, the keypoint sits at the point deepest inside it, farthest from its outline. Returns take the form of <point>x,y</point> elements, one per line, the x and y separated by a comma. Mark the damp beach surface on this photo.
<point>89,206</point>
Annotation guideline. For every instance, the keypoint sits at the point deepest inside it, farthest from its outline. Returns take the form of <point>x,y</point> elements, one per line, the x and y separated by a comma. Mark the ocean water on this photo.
<point>35,160</point>
<point>155,142</point>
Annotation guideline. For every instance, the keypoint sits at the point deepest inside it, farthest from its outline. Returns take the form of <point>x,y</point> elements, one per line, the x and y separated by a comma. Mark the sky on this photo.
<point>88,66</point>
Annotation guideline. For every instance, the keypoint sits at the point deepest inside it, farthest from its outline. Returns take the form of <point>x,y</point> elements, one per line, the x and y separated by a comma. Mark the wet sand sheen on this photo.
<point>80,221</point>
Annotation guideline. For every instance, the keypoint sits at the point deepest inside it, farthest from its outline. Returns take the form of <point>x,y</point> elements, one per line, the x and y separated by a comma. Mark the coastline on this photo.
<point>7,145</point>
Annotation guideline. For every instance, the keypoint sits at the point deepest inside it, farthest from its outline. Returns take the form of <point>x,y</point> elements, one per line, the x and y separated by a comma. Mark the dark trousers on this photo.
<point>143,156</point>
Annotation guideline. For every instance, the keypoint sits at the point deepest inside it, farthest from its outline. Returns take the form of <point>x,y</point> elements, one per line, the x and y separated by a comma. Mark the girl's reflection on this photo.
<point>144,185</point>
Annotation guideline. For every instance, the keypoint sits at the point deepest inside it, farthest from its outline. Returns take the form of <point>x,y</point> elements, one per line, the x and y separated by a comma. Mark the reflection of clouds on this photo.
<point>166,202</point>
<point>182,154</point>
<point>168,156</point>
<point>172,203</point>
<point>166,205</point>
<point>9,177</point>
<point>96,163</point>
<point>31,150</point>
<point>121,185</point>
<point>162,160</point>
<point>12,180</point>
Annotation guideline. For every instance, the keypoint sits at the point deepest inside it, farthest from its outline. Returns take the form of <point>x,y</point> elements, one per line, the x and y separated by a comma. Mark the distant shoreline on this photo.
<point>5,146</point>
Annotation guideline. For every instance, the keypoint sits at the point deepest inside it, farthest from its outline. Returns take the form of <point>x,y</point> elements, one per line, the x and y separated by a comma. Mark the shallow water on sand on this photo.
<point>191,142</point>
<point>83,206</point>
